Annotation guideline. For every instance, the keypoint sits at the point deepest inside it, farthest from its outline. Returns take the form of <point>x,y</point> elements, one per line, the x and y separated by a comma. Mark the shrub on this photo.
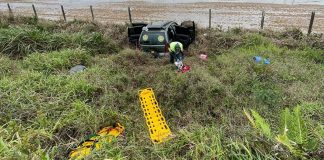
<point>294,33</point>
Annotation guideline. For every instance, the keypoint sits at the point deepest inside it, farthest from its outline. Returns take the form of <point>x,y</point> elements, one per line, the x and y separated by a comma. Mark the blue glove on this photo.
<point>257,59</point>
<point>267,61</point>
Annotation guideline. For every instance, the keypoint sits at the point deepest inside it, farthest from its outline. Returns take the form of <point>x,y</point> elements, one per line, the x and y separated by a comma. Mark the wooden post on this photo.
<point>92,13</point>
<point>209,18</point>
<point>10,12</point>
<point>35,13</point>
<point>311,23</point>
<point>262,19</point>
<point>63,13</point>
<point>130,15</point>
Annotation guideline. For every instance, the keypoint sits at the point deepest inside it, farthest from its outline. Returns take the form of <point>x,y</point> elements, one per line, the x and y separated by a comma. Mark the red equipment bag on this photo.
<point>185,68</point>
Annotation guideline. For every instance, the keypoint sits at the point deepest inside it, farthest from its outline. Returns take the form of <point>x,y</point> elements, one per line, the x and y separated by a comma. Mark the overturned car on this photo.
<point>155,37</point>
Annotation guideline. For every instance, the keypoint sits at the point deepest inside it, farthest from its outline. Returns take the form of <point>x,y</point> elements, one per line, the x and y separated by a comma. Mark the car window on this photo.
<point>170,34</point>
<point>152,38</point>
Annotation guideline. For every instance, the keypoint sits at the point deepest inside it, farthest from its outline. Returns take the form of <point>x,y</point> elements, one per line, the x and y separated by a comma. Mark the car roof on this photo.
<point>159,25</point>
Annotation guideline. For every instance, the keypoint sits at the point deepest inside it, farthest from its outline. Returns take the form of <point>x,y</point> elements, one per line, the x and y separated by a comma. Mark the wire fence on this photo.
<point>221,17</point>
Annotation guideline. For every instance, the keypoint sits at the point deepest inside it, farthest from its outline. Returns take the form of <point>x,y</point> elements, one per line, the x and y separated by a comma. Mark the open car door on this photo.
<point>135,31</point>
<point>186,33</point>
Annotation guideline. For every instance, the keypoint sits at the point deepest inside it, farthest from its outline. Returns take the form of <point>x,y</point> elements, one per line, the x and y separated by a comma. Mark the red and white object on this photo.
<point>185,68</point>
<point>203,56</point>
<point>182,67</point>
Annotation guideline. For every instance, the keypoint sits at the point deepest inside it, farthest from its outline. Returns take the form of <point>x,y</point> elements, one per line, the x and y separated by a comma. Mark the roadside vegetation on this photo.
<point>227,107</point>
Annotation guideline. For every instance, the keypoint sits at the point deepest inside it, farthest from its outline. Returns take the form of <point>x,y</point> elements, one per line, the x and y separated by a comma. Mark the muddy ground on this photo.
<point>225,15</point>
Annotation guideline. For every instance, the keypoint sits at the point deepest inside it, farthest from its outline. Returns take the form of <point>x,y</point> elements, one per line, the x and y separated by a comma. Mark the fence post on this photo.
<point>35,13</point>
<point>11,16</point>
<point>130,15</point>
<point>63,13</point>
<point>262,19</point>
<point>92,12</point>
<point>209,18</point>
<point>311,23</point>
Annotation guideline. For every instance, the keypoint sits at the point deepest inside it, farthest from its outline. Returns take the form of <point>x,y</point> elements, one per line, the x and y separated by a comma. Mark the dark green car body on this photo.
<point>155,37</point>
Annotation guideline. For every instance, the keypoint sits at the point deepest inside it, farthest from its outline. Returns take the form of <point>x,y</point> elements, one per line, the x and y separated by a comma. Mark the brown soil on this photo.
<point>224,15</point>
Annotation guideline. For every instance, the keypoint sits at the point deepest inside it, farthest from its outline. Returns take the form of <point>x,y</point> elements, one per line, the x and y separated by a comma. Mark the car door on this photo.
<point>192,28</point>
<point>185,33</point>
<point>171,34</point>
<point>135,31</point>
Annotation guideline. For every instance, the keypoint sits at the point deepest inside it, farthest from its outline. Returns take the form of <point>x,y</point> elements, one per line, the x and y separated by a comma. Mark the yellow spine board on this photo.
<point>104,135</point>
<point>155,121</point>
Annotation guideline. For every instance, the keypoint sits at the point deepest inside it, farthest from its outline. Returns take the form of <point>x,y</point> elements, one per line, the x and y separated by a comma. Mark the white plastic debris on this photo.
<point>203,56</point>
<point>77,69</point>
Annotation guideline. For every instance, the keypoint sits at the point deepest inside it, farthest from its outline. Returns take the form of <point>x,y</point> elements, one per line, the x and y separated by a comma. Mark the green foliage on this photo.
<point>45,112</point>
<point>267,94</point>
<point>236,30</point>
<point>19,42</point>
<point>284,140</point>
<point>255,40</point>
<point>7,66</point>
<point>56,61</point>
<point>315,55</point>
<point>293,132</point>
<point>259,123</point>
<point>294,33</point>
<point>3,23</point>
<point>194,142</point>
<point>95,43</point>
<point>23,103</point>
<point>245,150</point>
<point>300,128</point>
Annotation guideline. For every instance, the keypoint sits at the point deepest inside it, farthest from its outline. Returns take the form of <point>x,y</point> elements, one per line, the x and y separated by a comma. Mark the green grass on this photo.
<point>56,61</point>
<point>45,111</point>
<point>19,42</point>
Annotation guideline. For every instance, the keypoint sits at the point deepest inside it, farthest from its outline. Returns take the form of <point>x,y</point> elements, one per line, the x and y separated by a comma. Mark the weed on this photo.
<point>293,131</point>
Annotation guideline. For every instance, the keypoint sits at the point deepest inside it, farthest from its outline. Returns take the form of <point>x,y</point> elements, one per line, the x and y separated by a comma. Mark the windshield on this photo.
<point>152,38</point>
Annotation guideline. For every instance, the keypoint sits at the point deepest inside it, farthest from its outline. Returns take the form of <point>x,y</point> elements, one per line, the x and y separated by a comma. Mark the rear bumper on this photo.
<point>160,54</point>
<point>154,50</point>
<point>164,54</point>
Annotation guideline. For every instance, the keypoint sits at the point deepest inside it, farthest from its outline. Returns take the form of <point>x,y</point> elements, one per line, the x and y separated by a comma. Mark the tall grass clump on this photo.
<point>7,66</point>
<point>56,60</point>
<point>19,42</point>
<point>197,142</point>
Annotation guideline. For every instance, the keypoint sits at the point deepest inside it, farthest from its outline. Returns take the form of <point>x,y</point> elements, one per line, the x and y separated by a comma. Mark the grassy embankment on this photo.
<point>45,111</point>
